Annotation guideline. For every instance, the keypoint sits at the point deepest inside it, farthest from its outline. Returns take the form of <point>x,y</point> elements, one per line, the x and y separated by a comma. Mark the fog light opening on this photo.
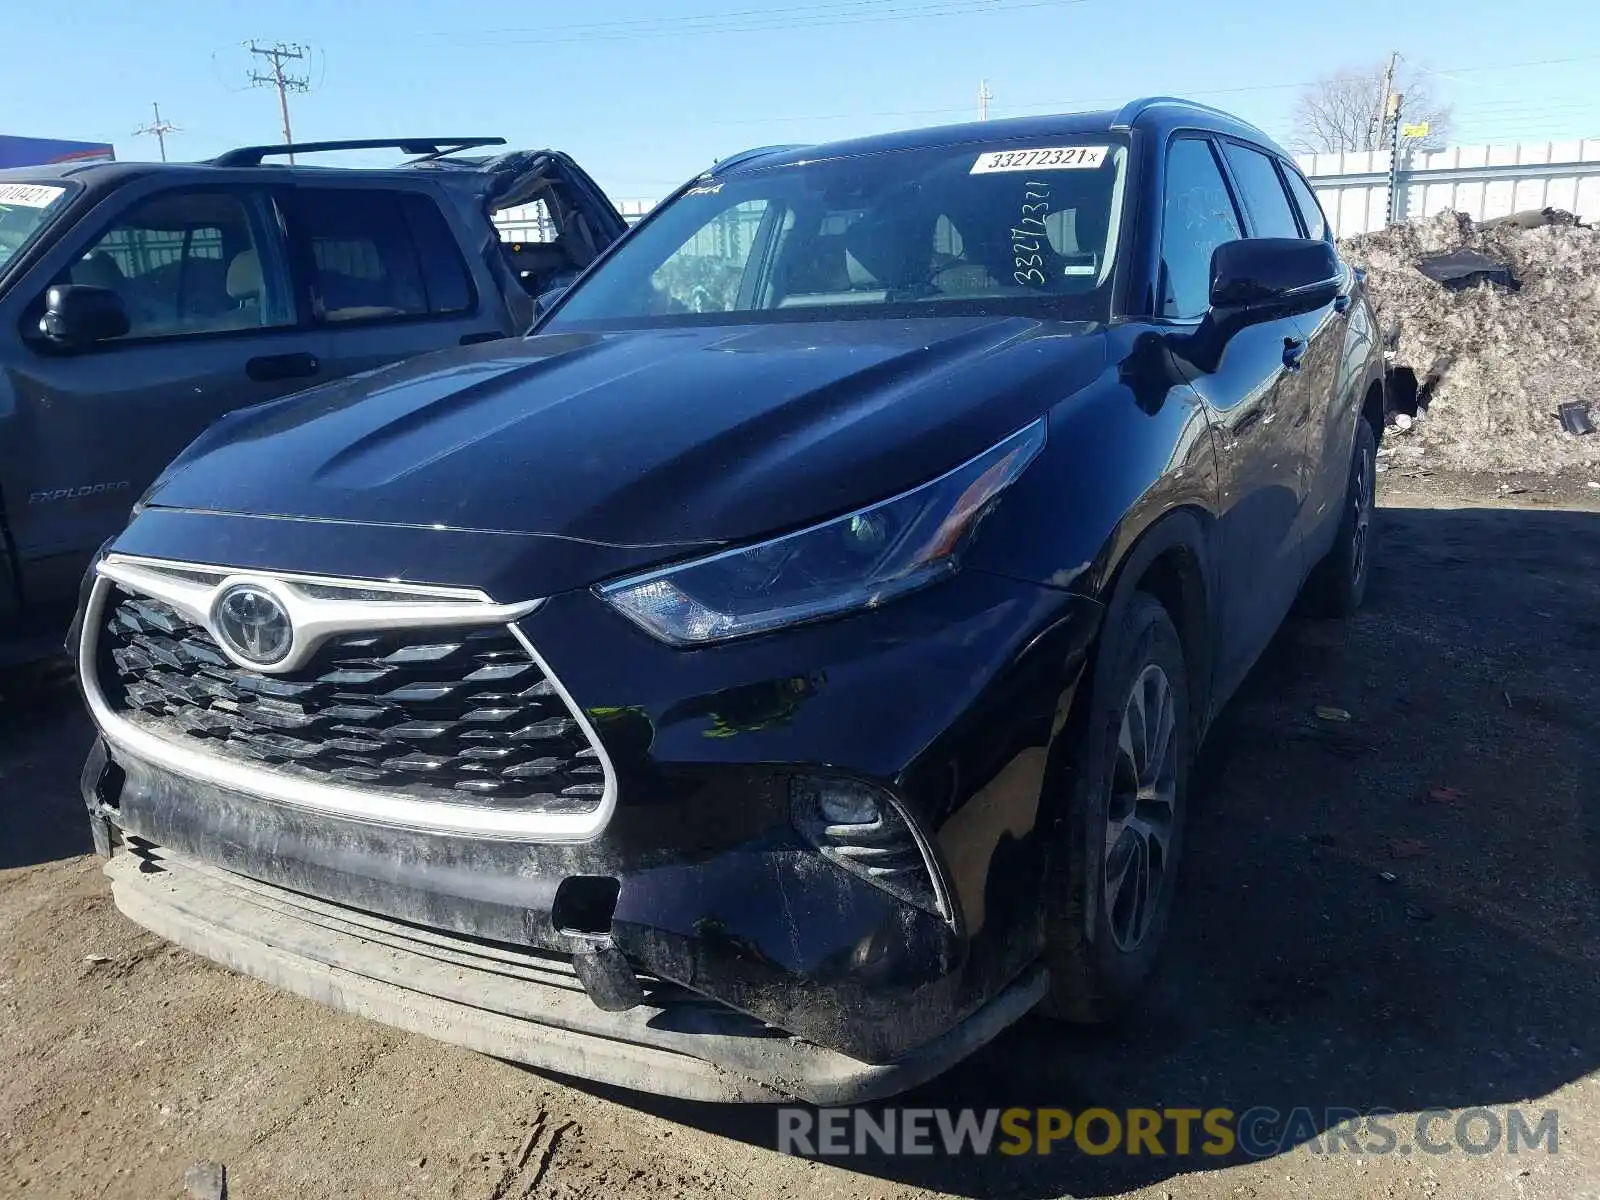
<point>847,803</point>
<point>860,826</point>
<point>585,905</point>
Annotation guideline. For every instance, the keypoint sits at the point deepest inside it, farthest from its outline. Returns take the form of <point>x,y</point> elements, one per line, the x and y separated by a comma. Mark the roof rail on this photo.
<point>733,160</point>
<point>1133,109</point>
<point>251,156</point>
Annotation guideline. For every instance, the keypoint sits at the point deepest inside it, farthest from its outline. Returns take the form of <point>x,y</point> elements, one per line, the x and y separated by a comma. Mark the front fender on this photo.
<point>1122,452</point>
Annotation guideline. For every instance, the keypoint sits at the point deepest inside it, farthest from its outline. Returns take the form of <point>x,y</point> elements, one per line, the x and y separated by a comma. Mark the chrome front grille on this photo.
<point>410,705</point>
<point>457,716</point>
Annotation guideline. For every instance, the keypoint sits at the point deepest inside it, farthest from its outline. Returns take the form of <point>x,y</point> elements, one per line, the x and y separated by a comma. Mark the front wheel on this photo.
<point>1339,583</point>
<point>1115,866</point>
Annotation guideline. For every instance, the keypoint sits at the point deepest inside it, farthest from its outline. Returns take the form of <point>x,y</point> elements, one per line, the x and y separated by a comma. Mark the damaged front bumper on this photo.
<point>704,936</point>
<point>568,1002</point>
<point>514,1002</point>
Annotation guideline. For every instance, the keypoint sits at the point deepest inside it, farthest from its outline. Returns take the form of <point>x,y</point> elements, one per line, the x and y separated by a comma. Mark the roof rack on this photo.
<point>251,156</point>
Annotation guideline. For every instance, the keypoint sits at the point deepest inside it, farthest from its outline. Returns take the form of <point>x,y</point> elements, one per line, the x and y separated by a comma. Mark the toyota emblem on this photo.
<point>252,625</point>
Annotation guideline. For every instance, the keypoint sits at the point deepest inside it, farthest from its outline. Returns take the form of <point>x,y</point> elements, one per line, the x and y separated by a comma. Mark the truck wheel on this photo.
<point>1111,882</point>
<point>1339,583</point>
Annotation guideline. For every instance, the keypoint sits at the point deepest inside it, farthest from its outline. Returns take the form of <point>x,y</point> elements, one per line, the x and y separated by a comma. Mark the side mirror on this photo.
<point>547,300</point>
<point>1254,279</point>
<point>77,314</point>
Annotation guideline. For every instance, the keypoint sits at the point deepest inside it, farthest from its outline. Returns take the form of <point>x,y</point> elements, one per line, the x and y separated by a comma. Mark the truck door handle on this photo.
<point>473,339</point>
<point>1294,349</point>
<point>1341,302</point>
<point>272,367</point>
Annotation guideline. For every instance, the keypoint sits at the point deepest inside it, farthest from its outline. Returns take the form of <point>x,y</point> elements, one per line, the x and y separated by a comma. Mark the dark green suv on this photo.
<point>139,302</point>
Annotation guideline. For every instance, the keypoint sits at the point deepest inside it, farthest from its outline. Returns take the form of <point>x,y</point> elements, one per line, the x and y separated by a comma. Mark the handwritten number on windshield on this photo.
<point>1027,237</point>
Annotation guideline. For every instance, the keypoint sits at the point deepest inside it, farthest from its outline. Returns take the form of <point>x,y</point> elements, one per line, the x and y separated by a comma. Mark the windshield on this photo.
<point>25,208</point>
<point>1009,229</point>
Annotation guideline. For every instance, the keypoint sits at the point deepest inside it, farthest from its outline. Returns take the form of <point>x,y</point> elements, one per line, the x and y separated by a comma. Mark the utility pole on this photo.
<point>159,128</point>
<point>1382,129</point>
<point>984,96</point>
<point>278,54</point>
<point>1396,196</point>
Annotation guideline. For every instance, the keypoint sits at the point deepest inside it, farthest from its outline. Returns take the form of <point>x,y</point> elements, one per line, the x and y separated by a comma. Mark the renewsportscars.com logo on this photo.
<point>1161,1132</point>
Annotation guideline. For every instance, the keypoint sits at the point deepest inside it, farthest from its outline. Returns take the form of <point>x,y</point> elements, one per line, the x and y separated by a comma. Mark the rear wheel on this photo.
<point>1339,583</point>
<point>1115,865</point>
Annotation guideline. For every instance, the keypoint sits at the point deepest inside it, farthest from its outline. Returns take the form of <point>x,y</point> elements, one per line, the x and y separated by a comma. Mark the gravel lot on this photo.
<point>1298,976</point>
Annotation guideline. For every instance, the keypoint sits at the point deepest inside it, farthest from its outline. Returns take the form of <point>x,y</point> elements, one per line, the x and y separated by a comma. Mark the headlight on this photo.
<point>859,560</point>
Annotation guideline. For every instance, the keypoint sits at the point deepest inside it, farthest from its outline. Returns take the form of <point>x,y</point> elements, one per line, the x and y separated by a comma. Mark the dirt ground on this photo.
<point>1350,936</point>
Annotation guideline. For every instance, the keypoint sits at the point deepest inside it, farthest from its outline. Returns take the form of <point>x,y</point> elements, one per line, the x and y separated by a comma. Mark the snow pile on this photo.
<point>1493,364</point>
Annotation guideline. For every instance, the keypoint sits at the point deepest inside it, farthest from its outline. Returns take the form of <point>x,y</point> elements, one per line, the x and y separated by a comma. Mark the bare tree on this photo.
<point>1345,110</point>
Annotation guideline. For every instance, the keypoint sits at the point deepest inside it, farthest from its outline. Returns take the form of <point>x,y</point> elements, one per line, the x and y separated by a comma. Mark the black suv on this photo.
<point>780,671</point>
<point>139,302</point>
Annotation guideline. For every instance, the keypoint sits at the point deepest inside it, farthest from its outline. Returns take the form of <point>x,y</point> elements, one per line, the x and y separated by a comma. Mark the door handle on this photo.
<point>1294,349</point>
<point>1341,302</point>
<point>473,339</point>
<point>272,367</point>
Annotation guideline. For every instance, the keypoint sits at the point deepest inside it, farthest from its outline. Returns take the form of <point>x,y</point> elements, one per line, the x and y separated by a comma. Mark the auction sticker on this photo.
<point>1043,158</point>
<point>29,195</point>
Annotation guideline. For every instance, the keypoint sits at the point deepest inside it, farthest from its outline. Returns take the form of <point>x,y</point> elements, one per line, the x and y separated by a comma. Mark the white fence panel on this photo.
<point>1481,181</point>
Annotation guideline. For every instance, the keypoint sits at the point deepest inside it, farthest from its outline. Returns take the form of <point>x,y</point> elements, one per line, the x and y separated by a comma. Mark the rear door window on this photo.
<point>1271,214</point>
<point>380,256</point>
<point>192,261</point>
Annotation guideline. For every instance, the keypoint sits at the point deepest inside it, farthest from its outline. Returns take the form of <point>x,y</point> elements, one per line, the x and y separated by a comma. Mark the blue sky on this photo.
<point>645,92</point>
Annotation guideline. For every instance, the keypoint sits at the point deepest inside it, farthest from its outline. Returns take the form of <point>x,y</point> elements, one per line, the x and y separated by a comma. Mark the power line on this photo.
<point>1521,104</point>
<point>778,21</point>
<point>680,21</point>
<point>159,129</point>
<point>1533,62</point>
<point>1083,102</point>
<point>278,54</point>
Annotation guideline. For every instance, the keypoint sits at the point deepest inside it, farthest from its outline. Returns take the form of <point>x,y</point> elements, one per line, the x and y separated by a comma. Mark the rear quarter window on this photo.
<point>381,255</point>
<point>444,273</point>
<point>1306,200</point>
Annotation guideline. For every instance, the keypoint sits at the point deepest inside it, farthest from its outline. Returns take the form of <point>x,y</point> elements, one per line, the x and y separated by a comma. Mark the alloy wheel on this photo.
<point>1140,812</point>
<point>1362,488</point>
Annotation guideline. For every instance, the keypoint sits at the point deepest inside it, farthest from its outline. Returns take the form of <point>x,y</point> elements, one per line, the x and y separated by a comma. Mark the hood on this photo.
<point>660,438</point>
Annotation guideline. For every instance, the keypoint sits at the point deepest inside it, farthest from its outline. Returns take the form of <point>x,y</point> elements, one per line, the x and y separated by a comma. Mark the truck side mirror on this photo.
<point>547,301</point>
<point>78,314</point>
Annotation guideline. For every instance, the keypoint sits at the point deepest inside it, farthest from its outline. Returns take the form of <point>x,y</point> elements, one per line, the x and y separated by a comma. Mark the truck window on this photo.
<point>191,261</point>
<point>25,209</point>
<point>444,274</point>
<point>381,256</point>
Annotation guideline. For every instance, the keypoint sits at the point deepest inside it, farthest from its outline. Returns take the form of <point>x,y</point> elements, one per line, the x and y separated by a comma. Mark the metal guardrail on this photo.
<point>532,222</point>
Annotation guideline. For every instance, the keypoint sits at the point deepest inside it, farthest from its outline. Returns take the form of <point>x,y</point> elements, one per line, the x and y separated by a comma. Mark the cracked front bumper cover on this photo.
<point>511,1002</point>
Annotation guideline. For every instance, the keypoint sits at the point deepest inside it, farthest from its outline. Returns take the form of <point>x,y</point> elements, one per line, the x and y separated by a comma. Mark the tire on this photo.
<point>1338,585</point>
<point>1101,947</point>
